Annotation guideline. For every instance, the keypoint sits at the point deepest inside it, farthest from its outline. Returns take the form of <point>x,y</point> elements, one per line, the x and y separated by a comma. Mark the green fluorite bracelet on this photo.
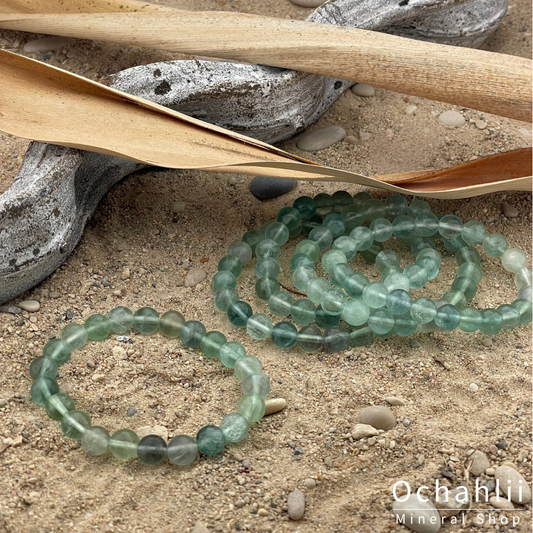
<point>124,443</point>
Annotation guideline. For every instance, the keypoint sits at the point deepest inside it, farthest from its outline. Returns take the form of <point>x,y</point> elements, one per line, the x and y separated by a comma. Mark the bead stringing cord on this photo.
<point>124,443</point>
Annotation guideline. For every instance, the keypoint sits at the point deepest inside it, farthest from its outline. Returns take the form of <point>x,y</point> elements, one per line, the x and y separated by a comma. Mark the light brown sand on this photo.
<point>48,484</point>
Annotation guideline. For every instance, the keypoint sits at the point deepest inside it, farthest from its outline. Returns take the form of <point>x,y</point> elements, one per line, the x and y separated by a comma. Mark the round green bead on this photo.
<point>466,285</point>
<point>336,339</point>
<point>325,320</point>
<point>231,352</point>
<point>58,350</point>
<point>278,232</point>
<point>354,285</point>
<point>332,258</point>
<point>339,273</point>
<point>399,302</point>
<point>266,287</point>
<point>346,245</point>
<point>473,232</point>
<point>523,278</point>
<point>299,260</point>
<point>309,248</point>
<point>253,238</point>
<point>450,227</point>
<point>323,199</point>
<point>182,450</point>
<point>280,303</point>
<point>259,326</point>
<point>267,248</point>
<point>306,206</point>
<point>257,384</point>
<point>370,255</point>
<point>224,298</point>
<point>335,223</point>
<point>44,367</point>
<point>403,226</point>
<point>267,267</point>
<point>362,237</point>
<point>421,243</point>
<point>381,321</point>
<point>386,259</point>
<point>322,236</point>
<point>525,293</point>
<point>404,326</point>
<point>397,281</point>
<point>310,339</point>
<point>192,333</point>
<point>232,264</point>
<point>430,252</point>
<point>513,260</point>
<point>361,336</point>
<point>252,407</point>
<point>235,427</point>
<point>456,298</point>
<point>152,450</point>
<point>423,310</point>
<point>417,275</point>
<point>43,389</point>
<point>170,324</point>
<point>95,440</point>
<point>284,335</point>
<point>495,244</point>
<point>238,313</point>
<point>467,254</point>
<point>361,198</point>
<point>510,316</point>
<point>524,308</point>
<point>247,366</point>
<point>334,301</point>
<point>242,250</point>
<point>491,321</point>
<point>375,295</point>
<point>146,320</point>
<point>418,206</point>
<point>123,444</point>
<point>470,319</point>
<point>303,312</point>
<point>223,279</point>
<point>448,317</point>
<point>121,319</point>
<point>426,224</point>
<point>211,343</point>
<point>290,217</point>
<point>430,265</point>
<point>58,405</point>
<point>355,312</point>
<point>381,229</point>
<point>98,327</point>
<point>342,198</point>
<point>454,245</point>
<point>470,270</point>
<point>395,205</point>
<point>75,335</point>
<point>374,209</point>
<point>74,424</point>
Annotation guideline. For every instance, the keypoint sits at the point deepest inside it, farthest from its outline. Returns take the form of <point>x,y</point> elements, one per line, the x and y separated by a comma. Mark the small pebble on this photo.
<point>298,450</point>
<point>310,483</point>
<point>125,274</point>
<point>362,89</point>
<point>406,422</point>
<point>48,44</point>
<point>501,444</point>
<point>321,139</point>
<point>178,207</point>
<point>11,309</point>
<point>509,464</point>
<point>296,504</point>
<point>489,471</point>
<point>486,341</point>
<point>199,527</point>
<point>91,364</point>
<point>275,405</point>
<point>493,449</point>
<point>480,463</point>
<point>473,387</point>
<point>262,512</point>
<point>233,180</point>
<point>512,481</point>
<point>132,411</point>
<point>420,459</point>
<point>508,210</point>
<point>410,109</point>
<point>20,321</point>
<point>308,3</point>
<point>378,416</point>
<point>481,124</point>
<point>501,503</point>
<point>98,377</point>
<point>32,306</point>
<point>419,514</point>
<point>490,485</point>
<point>361,431</point>
<point>194,277</point>
<point>452,119</point>
<point>392,400</point>
<point>264,188</point>
<point>162,431</point>
<point>351,139</point>
<point>247,464</point>
<point>455,504</point>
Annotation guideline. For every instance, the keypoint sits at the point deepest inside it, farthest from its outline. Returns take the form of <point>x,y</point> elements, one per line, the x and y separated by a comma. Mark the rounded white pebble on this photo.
<point>453,119</point>
<point>320,139</point>
<point>32,306</point>
<point>48,44</point>
<point>364,90</point>
<point>473,387</point>
<point>296,504</point>
<point>194,277</point>
<point>275,405</point>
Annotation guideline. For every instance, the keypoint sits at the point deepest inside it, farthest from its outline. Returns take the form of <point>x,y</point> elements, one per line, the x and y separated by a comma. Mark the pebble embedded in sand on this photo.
<point>264,188</point>
<point>361,431</point>
<point>453,119</point>
<point>480,463</point>
<point>48,44</point>
<point>143,431</point>
<point>194,277</point>
<point>473,387</point>
<point>364,90</point>
<point>420,516</point>
<point>310,483</point>
<point>296,504</point>
<point>513,482</point>
<point>378,416</point>
<point>199,527</point>
<point>457,501</point>
<point>321,139</point>
<point>481,124</point>
<point>308,3</point>
<point>510,211</point>
<point>392,400</point>
<point>501,503</point>
<point>32,306</point>
<point>275,405</point>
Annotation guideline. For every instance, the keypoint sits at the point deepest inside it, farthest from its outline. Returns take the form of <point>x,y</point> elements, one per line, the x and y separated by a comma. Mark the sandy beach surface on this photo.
<point>460,392</point>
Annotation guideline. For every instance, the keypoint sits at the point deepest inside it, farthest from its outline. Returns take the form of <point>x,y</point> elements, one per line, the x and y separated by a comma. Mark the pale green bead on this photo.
<point>253,238</point>
<point>430,265</point>
<point>123,444</point>
<point>280,303</point>
<point>334,301</point>
<point>257,384</point>
<point>423,310</point>
<point>466,285</point>
<point>399,302</point>
<point>310,339</point>
<point>336,339</point>
<point>317,288</point>
<point>290,216</point>
<point>278,232</point>
<point>430,252</point>
<point>361,336</point>
<point>266,287</point>
<point>456,298</point>
<point>381,229</point>
<point>381,321</point>
<point>298,260</point>
<point>259,326</point>
<point>303,311</point>
<point>95,440</point>
<point>58,350</point>
<point>284,335</point>
<point>363,238</point>
<point>417,275</point>
<point>386,259</point>
<point>302,276</point>
<point>232,264</point>
<point>223,279</point>
<point>470,319</point>
<point>524,308</point>
<point>418,206</point>
<point>448,317</point>
<point>121,319</point>
<point>224,298</point>
<point>235,427</point>
<point>43,389</point>
<point>354,216</point>
<point>98,327</point>
<point>374,209</point>
<point>146,320</point>
<point>267,248</point>
<point>525,293</point>
<point>473,232</point>
<point>322,236</point>
<point>252,407</point>
<point>211,343</point>
<point>74,423</point>
<point>192,333</point>
<point>231,352</point>
<point>247,366</point>
<point>450,226</point>
<point>335,223</point>
<point>470,270</point>
<point>395,205</point>
<point>59,404</point>
<point>403,226</point>
<point>375,295</point>
<point>309,248</point>
<point>404,326</point>
<point>491,321</point>
<point>325,320</point>
<point>397,281</point>
<point>170,324</point>
<point>332,258</point>
<point>523,277</point>
<point>182,450</point>
<point>355,312</point>
<point>75,335</point>
<point>510,316</point>
<point>426,224</point>
<point>361,198</point>
<point>339,273</point>
<point>513,259</point>
<point>354,285</point>
<point>242,250</point>
<point>44,367</point>
<point>467,254</point>
<point>267,267</point>
<point>495,244</point>
<point>346,245</point>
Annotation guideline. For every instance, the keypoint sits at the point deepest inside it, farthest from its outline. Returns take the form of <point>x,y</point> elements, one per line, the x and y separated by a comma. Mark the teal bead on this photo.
<point>192,333</point>
<point>295,232</point>
<point>309,248</point>
<point>353,215</point>
<point>430,252</point>
<point>152,450</point>
<point>58,405</point>
<point>466,285</point>
<point>363,238</point>
<point>182,450</point>
<point>266,287</point>
<point>524,308</point>
<point>253,238</point>
<point>430,265</point>
<point>224,298</point>
<point>322,236</point>
<point>456,298</point>
<point>43,389</point>
<point>370,255</point>
<point>211,343</point>
<point>75,335</point>
<point>310,339</point>
<point>123,444</point>
<point>361,336</point>
<point>467,254</point>
<point>98,327</point>
<point>252,407</point>
<point>510,316</point>
<point>316,289</point>
<point>448,317</point>
<point>381,229</point>
<point>395,206</point>
<point>403,226</point>
<point>346,245</point>
<point>238,313</point>
<point>247,366</point>
<point>323,200</point>
<point>523,278</point>
<point>355,312</point>
<point>417,275</point>
<point>280,303</point>
<point>470,319</point>
<point>303,311</point>
<point>278,232</point>
<point>267,267</point>
<point>58,350</point>
<point>235,427</point>
<point>223,279</point>
<point>404,326</point>
<point>470,270</point>
<point>473,232</point>
<point>374,209</point>
<point>325,320</point>
<point>306,206</point>
<point>361,198</point>
<point>525,293</point>
<point>386,259</point>
<point>339,273</point>
<point>342,198</point>
<point>232,264</point>
<point>426,224</point>
<point>332,258</point>
<point>513,260</point>
<point>44,367</point>
<point>256,384</point>
<point>450,227</point>
<point>146,320</point>
<point>242,250</point>
<point>418,206</point>
<point>375,295</point>
<point>259,326</point>
<point>454,245</point>
<point>302,276</point>
<point>491,321</point>
<point>231,352</point>
<point>381,321</point>
<point>354,285</point>
<point>495,244</point>
<point>299,260</point>
<point>74,424</point>
<point>390,270</point>
<point>397,281</point>
<point>335,223</point>
<point>267,248</point>
<point>423,310</point>
<point>336,339</point>
<point>421,243</point>
<point>121,319</point>
<point>95,441</point>
<point>170,324</point>
<point>334,301</point>
<point>399,302</point>
<point>284,335</point>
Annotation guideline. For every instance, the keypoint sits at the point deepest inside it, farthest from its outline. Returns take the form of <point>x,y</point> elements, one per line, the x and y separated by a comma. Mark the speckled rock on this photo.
<point>480,463</point>
<point>457,501</point>
<point>452,119</point>
<point>296,504</point>
<point>510,478</point>
<point>321,139</point>
<point>194,277</point>
<point>414,510</point>
<point>265,188</point>
<point>378,416</point>
<point>362,89</point>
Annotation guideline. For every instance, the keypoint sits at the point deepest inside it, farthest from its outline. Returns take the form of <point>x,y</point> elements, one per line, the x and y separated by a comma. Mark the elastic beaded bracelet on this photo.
<point>124,444</point>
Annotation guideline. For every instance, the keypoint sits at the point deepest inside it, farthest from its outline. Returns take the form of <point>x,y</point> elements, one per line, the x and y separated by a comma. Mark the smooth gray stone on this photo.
<point>420,516</point>
<point>263,187</point>
<point>321,139</point>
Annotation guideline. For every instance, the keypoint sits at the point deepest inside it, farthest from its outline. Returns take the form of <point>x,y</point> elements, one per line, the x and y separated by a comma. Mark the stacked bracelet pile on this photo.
<point>124,443</point>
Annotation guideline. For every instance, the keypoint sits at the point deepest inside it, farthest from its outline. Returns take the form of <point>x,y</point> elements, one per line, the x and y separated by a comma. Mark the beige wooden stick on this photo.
<point>485,81</point>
